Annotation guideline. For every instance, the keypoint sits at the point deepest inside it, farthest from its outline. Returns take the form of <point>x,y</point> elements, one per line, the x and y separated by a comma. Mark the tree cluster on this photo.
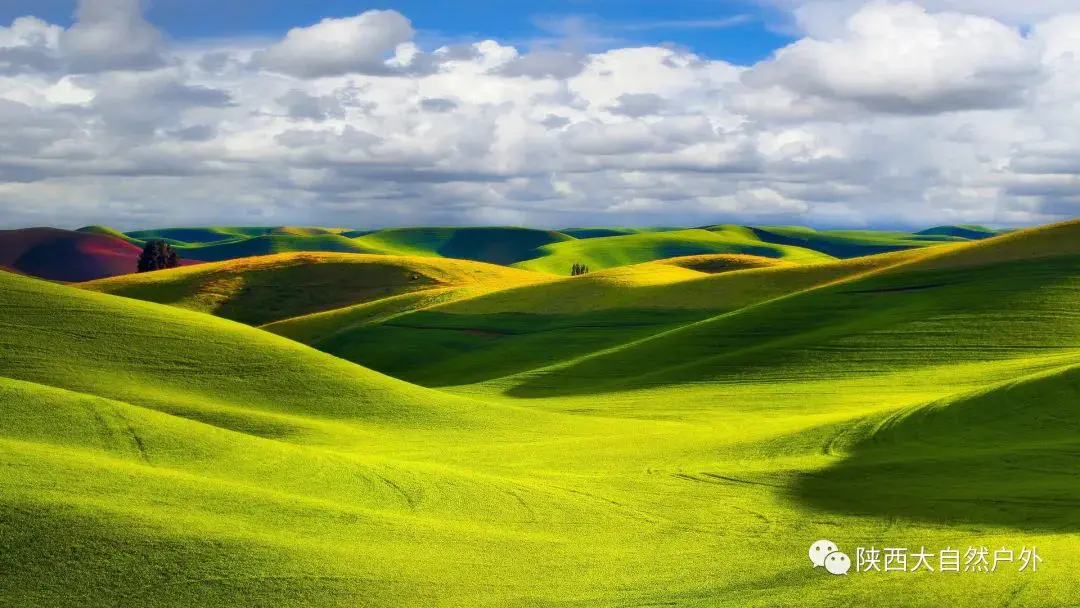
<point>157,255</point>
<point>578,270</point>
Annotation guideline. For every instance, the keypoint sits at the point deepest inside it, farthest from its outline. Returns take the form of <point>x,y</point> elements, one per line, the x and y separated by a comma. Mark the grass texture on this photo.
<point>652,434</point>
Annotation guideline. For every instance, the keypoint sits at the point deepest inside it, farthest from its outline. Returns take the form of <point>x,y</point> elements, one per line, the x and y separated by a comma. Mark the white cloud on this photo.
<point>333,47</point>
<point>887,114</point>
<point>111,35</point>
<point>899,58</point>
<point>822,18</point>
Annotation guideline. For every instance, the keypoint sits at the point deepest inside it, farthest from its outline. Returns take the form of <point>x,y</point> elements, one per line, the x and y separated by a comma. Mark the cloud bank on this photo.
<point>880,114</point>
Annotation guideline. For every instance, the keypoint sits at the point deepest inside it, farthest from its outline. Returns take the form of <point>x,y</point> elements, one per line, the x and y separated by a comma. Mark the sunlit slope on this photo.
<point>464,339</point>
<point>1006,298</point>
<point>495,245</point>
<point>141,445</point>
<point>667,284</point>
<point>608,252</point>
<point>108,231</point>
<point>264,289</point>
<point>284,482</point>
<point>181,361</point>
<point>717,263</point>
<point>273,244</point>
<point>933,461</point>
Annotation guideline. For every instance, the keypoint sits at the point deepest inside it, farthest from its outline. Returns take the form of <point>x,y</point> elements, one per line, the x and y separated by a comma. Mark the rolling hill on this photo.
<point>1005,298</point>
<point>547,251</point>
<point>650,434</point>
<point>714,264</point>
<point>495,245</point>
<point>968,232</point>
<point>609,252</point>
<point>271,288</point>
<point>597,232</point>
<point>200,236</point>
<point>272,245</point>
<point>64,255</point>
<point>858,243</point>
<point>469,337</point>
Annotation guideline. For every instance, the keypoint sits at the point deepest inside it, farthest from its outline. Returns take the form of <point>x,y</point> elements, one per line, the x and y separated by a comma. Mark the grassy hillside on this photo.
<point>273,244</point>
<point>713,264</point>
<point>644,435</point>
<point>952,450</point>
<point>999,299</point>
<point>199,236</point>
<point>493,245</point>
<point>608,252</point>
<point>849,243</point>
<point>467,337</point>
<point>968,232</point>
<point>597,232</point>
<point>270,288</point>
<point>107,231</point>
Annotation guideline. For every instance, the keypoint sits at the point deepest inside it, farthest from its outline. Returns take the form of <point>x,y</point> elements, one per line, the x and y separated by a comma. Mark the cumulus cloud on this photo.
<point>438,104</point>
<point>111,35</point>
<point>901,113</point>
<point>333,47</point>
<point>29,45</point>
<point>637,105</point>
<point>545,64</point>
<point>899,58</point>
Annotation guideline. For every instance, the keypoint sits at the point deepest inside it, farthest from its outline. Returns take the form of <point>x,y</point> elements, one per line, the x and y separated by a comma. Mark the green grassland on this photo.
<point>495,245</point>
<point>546,250</point>
<point>856,243</point>
<point>669,432</point>
<point>270,288</point>
<point>608,252</point>
<point>107,231</point>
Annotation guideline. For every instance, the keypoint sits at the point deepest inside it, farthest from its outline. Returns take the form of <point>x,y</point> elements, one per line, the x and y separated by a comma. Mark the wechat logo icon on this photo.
<point>825,554</point>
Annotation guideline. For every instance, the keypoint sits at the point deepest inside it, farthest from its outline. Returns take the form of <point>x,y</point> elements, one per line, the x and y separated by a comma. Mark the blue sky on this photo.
<point>739,32</point>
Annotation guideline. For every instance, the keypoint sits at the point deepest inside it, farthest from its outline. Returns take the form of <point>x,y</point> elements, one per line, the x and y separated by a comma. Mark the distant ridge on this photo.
<point>65,255</point>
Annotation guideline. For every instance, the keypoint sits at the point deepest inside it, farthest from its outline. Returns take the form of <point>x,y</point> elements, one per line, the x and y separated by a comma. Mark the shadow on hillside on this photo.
<point>1009,457</point>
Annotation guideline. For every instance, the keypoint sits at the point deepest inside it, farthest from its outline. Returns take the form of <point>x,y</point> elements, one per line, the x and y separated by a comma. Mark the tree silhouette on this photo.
<point>157,255</point>
<point>579,269</point>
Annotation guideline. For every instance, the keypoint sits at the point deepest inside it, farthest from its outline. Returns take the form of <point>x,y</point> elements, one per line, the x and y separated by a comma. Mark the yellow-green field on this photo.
<point>414,431</point>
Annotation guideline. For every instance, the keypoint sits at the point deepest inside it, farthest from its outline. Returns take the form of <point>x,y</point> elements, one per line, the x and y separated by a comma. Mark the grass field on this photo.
<point>608,252</point>
<point>270,288</point>
<point>549,251</point>
<point>670,432</point>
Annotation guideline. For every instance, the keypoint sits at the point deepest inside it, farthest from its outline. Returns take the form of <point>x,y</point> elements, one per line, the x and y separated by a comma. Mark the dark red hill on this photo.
<point>64,255</point>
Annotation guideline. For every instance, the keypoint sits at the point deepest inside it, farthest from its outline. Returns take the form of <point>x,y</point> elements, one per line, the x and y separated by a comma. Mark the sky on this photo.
<point>554,113</point>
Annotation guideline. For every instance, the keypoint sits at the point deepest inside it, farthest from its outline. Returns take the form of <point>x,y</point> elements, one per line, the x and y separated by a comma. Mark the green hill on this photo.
<point>493,245</point>
<point>271,288</point>
<point>107,231</point>
<point>199,236</point>
<point>994,300</point>
<point>608,252</point>
<point>651,434</point>
<point>953,449</point>
<point>273,244</point>
<point>969,232</point>
<point>467,337</point>
<point>847,243</point>
<point>598,232</point>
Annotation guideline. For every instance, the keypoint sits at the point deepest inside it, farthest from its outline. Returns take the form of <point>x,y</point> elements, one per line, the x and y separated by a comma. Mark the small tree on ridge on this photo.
<point>157,255</point>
